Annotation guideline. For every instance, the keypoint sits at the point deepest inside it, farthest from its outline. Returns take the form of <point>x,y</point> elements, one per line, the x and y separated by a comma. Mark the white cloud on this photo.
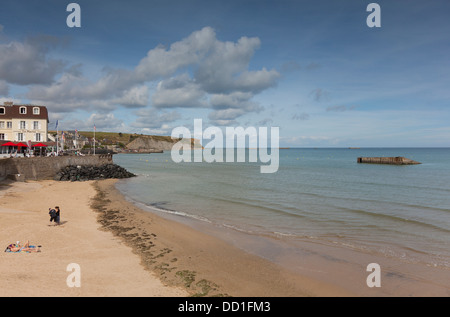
<point>198,71</point>
<point>152,119</point>
<point>107,120</point>
<point>224,69</point>
<point>226,114</point>
<point>68,89</point>
<point>134,97</point>
<point>256,81</point>
<point>15,101</point>
<point>233,100</point>
<point>27,63</point>
<point>180,92</point>
<point>228,107</point>
<point>160,62</point>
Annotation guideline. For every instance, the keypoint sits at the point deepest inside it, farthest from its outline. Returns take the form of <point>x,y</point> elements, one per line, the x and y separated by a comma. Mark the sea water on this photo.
<point>320,196</point>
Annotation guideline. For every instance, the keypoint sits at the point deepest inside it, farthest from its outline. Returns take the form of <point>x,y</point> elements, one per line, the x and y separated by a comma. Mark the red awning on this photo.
<point>39,144</point>
<point>9,144</point>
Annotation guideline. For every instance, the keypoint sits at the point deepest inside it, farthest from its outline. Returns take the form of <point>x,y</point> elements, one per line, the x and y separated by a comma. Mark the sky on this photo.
<point>315,69</point>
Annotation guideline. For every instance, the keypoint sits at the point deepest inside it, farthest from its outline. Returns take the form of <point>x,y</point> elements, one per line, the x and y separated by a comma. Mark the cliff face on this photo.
<point>149,143</point>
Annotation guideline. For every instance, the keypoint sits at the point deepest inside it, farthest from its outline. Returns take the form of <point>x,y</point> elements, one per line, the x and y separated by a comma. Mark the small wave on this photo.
<point>284,234</point>
<point>156,207</point>
<point>237,228</point>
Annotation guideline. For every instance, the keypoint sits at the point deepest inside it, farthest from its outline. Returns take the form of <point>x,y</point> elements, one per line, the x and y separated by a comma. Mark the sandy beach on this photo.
<point>107,266</point>
<point>124,251</point>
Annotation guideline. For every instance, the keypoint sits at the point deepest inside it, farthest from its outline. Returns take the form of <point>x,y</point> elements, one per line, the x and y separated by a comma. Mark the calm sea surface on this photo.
<point>318,195</point>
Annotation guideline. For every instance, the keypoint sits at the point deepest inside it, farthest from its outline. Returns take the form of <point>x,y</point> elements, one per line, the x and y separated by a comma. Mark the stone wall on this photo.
<point>37,168</point>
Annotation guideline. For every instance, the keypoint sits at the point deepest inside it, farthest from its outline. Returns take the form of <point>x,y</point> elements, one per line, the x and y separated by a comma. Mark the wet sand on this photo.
<point>253,265</point>
<point>203,264</point>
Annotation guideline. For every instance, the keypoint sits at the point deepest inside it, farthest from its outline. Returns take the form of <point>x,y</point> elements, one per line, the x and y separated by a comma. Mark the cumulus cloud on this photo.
<point>234,100</point>
<point>69,89</point>
<point>180,91</point>
<point>228,107</point>
<point>134,97</point>
<point>199,71</point>
<point>160,62</point>
<point>27,63</point>
<point>104,120</point>
<point>100,120</point>
<point>152,119</point>
<point>224,70</point>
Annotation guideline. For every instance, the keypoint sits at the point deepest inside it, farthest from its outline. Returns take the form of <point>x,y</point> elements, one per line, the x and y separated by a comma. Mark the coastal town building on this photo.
<point>23,123</point>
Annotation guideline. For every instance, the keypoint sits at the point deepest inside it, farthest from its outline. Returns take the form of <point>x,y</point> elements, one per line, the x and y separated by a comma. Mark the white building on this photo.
<point>23,123</point>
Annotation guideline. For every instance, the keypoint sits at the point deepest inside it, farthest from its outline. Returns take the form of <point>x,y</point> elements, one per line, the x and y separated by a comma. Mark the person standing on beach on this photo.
<point>57,217</point>
<point>52,213</point>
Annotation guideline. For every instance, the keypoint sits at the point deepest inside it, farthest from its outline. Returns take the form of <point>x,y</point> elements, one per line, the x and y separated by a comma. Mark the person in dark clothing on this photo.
<point>58,217</point>
<point>52,213</point>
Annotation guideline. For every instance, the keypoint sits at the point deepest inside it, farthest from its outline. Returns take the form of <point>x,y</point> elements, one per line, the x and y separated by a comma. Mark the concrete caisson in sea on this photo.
<point>398,160</point>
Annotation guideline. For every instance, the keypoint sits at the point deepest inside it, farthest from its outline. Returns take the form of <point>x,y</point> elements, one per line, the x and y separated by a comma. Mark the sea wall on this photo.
<point>38,168</point>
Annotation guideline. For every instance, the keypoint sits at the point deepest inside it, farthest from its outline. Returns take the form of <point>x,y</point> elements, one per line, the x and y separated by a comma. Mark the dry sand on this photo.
<point>107,266</point>
<point>125,251</point>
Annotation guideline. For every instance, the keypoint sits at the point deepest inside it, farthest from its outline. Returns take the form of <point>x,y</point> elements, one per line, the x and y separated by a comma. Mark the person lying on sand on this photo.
<point>26,248</point>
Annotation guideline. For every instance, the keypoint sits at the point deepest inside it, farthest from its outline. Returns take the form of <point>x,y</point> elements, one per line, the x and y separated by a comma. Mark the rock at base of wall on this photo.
<point>91,172</point>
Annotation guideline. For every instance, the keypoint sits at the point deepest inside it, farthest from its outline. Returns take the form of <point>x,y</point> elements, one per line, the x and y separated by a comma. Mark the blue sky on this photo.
<point>312,68</point>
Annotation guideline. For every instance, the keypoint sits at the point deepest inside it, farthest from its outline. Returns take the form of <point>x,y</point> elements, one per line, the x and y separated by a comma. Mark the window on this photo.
<point>38,137</point>
<point>2,110</point>
<point>36,110</point>
<point>22,125</point>
<point>23,110</point>
<point>36,125</point>
<point>2,136</point>
<point>2,124</point>
<point>19,136</point>
<point>9,124</point>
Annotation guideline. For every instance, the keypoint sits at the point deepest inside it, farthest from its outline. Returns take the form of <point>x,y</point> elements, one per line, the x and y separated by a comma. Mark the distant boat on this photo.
<point>354,147</point>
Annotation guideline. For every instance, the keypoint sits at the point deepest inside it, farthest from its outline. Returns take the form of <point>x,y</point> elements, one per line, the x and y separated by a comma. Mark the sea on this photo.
<point>321,214</point>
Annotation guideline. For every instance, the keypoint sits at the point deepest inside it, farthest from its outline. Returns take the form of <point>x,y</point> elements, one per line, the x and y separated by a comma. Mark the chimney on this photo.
<point>8,103</point>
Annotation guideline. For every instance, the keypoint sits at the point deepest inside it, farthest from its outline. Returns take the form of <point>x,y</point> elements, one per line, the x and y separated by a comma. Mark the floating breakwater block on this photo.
<point>398,160</point>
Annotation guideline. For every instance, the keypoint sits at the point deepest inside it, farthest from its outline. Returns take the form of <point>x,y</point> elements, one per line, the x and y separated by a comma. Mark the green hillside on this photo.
<point>118,137</point>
